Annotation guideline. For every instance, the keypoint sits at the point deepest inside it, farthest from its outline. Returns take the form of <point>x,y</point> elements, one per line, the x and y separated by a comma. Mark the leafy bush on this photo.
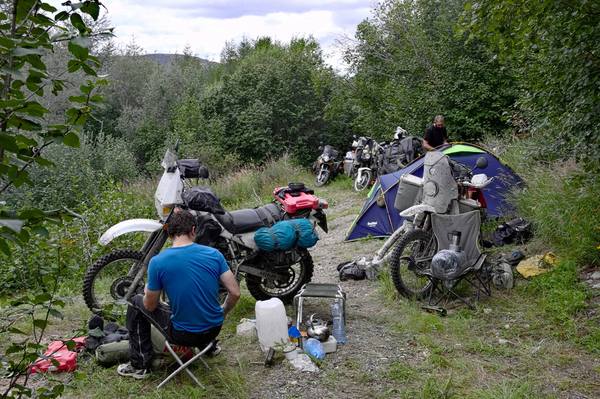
<point>77,241</point>
<point>78,175</point>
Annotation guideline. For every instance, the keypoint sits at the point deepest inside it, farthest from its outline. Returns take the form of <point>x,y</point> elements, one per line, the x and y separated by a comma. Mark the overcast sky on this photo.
<point>168,26</point>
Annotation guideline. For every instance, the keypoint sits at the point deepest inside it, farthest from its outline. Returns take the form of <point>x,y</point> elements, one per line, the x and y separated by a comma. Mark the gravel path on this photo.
<point>353,371</point>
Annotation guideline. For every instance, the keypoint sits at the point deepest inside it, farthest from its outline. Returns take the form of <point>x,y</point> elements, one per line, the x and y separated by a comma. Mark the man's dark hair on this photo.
<point>181,223</point>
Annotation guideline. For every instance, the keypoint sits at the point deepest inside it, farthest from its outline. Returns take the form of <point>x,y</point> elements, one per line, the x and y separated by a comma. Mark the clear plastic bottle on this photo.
<point>337,315</point>
<point>314,348</point>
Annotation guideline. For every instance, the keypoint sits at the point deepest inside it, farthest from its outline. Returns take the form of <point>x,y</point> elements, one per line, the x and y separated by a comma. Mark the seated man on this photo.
<point>190,274</point>
<point>436,134</point>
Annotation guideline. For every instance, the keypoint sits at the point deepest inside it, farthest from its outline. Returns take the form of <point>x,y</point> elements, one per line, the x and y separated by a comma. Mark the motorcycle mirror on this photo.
<point>481,163</point>
<point>320,147</point>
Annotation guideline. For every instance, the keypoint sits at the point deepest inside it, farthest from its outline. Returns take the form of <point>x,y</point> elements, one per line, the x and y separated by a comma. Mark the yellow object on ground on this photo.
<point>537,265</point>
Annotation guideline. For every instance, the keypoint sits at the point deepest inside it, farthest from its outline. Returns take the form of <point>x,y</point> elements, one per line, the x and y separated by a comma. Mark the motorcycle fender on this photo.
<point>129,226</point>
<point>361,170</point>
<point>416,209</point>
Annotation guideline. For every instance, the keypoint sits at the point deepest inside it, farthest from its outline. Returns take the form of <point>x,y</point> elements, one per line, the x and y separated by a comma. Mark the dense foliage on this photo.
<point>554,47</point>
<point>411,64</point>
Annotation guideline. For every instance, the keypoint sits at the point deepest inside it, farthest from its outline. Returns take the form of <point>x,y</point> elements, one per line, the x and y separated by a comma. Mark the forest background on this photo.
<point>520,77</point>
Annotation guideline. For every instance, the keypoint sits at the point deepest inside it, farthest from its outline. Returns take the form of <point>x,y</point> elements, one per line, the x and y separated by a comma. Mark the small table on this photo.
<point>316,290</point>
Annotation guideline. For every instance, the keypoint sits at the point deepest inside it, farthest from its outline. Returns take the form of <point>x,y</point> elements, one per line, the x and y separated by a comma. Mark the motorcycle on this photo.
<point>327,166</point>
<point>115,277</point>
<point>447,187</point>
<point>368,153</point>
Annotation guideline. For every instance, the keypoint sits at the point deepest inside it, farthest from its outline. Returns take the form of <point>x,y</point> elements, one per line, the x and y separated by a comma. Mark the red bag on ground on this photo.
<point>67,360</point>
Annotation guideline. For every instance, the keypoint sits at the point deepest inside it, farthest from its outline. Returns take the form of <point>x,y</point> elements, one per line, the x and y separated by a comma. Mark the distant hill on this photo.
<point>166,59</point>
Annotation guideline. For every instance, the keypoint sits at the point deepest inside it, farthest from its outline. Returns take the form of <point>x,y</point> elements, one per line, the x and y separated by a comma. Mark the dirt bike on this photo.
<point>447,187</point>
<point>327,166</point>
<point>365,162</point>
<point>115,277</point>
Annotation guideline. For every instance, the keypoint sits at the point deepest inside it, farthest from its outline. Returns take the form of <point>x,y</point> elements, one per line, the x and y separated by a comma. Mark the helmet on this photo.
<point>400,133</point>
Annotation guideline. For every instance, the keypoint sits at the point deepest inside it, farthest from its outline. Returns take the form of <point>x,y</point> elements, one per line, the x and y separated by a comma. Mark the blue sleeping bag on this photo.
<point>285,235</point>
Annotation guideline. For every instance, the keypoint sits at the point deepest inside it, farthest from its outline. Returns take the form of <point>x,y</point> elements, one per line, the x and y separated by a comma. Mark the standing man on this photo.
<point>436,134</point>
<point>190,274</point>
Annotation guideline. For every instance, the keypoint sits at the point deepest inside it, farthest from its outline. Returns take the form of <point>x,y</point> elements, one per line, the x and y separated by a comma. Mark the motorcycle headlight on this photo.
<point>367,156</point>
<point>325,158</point>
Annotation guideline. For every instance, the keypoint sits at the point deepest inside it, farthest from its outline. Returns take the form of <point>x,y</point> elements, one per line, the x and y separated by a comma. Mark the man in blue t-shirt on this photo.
<point>190,275</point>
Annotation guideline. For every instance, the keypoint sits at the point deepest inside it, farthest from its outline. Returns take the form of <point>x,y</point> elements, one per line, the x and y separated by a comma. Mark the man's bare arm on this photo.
<point>233,291</point>
<point>151,299</point>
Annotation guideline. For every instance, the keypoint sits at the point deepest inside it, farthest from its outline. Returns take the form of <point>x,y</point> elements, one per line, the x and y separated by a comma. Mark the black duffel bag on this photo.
<point>202,199</point>
<point>192,169</point>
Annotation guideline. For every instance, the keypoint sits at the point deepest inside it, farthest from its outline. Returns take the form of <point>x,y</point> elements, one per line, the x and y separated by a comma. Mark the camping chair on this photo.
<point>468,224</point>
<point>197,354</point>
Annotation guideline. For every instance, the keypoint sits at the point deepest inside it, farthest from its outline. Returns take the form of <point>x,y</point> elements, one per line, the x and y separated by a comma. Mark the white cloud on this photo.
<point>205,26</point>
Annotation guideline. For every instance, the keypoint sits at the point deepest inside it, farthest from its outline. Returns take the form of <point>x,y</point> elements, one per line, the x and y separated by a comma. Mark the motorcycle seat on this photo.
<point>247,220</point>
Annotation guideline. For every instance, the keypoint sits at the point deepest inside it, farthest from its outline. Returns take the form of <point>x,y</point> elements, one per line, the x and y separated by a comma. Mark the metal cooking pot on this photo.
<point>318,329</point>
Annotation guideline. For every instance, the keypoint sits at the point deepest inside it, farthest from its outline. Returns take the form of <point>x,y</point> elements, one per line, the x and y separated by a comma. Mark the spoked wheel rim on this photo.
<point>288,283</point>
<point>107,287</point>
<point>410,259</point>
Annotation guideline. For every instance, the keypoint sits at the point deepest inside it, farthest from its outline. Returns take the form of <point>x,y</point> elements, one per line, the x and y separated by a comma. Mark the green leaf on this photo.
<point>33,108</point>
<point>78,23</point>
<point>14,348</point>
<point>6,42</point>
<point>61,16</point>
<point>47,7</point>
<point>73,66</point>
<point>78,51</point>
<point>40,323</point>
<point>55,313</point>
<point>8,142</point>
<point>88,69</point>
<point>78,99</point>
<point>43,161</point>
<point>91,8</point>
<point>70,344</point>
<point>71,139</point>
<point>42,298</point>
<point>15,330</point>
<point>86,89</point>
<point>41,231</point>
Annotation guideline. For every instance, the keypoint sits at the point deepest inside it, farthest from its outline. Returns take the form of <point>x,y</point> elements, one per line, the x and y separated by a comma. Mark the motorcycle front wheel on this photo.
<point>322,177</point>
<point>298,274</point>
<point>412,254</point>
<point>361,182</point>
<point>106,282</point>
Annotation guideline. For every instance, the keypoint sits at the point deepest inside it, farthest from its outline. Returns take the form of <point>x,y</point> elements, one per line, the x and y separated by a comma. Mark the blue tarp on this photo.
<point>381,221</point>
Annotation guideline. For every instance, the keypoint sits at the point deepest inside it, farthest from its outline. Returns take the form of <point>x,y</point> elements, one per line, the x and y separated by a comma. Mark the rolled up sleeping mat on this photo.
<point>285,235</point>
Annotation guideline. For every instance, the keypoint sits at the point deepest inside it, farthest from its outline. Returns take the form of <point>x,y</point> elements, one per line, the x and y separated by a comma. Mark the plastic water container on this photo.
<point>271,323</point>
<point>337,314</point>
<point>314,347</point>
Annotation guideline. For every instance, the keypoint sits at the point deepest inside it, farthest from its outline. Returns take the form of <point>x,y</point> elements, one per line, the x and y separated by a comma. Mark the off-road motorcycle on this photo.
<point>115,277</point>
<point>327,166</point>
<point>447,187</point>
<point>366,160</point>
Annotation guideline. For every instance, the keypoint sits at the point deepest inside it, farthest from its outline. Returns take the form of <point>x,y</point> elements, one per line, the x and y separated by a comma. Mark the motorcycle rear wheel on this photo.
<point>263,289</point>
<point>414,251</point>
<point>106,282</point>
<point>362,182</point>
